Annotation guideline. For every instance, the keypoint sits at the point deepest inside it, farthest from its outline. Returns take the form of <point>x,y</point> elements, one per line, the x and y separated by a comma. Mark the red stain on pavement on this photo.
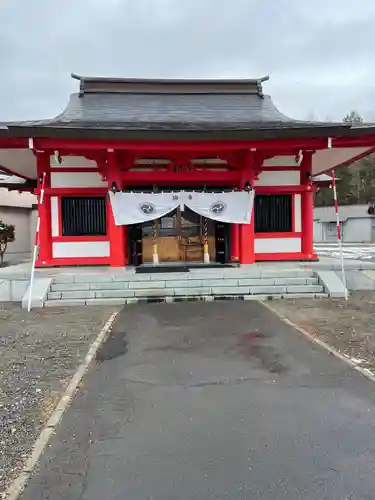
<point>253,336</point>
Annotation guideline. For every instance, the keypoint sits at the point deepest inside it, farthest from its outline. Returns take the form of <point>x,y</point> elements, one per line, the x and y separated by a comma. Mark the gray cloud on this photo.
<point>318,53</point>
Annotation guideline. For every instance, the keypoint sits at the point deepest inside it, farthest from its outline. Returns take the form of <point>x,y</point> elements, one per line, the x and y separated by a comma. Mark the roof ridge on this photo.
<point>170,86</point>
<point>75,76</point>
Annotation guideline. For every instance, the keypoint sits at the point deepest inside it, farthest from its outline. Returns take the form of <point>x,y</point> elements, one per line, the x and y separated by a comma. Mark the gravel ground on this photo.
<point>349,326</point>
<point>40,351</point>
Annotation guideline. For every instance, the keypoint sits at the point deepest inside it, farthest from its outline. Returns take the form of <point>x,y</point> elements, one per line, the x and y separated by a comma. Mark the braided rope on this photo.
<point>206,255</point>
<point>155,256</point>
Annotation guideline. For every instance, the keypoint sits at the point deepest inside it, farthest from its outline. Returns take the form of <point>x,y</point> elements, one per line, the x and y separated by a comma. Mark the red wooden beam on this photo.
<point>180,178</point>
<point>351,142</point>
<point>281,189</point>
<point>75,191</point>
<point>13,142</point>
<point>235,159</point>
<point>199,147</point>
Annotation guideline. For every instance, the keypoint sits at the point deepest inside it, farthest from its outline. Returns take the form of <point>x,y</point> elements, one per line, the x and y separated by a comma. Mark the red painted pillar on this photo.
<point>126,245</point>
<point>247,237</point>
<point>115,233</point>
<point>235,242</point>
<point>247,255</point>
<point>307,208</point>
<point>44,212</point>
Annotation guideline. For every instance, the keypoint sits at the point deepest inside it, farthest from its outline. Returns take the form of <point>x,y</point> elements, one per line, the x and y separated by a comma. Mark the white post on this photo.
<point>35,253</point>
<point>36,244</point>
<point>339,236</point>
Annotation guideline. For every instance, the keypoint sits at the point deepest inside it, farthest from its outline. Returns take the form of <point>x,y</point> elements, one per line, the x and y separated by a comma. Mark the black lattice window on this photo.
<point>84,216</point>
<point>273,213</point>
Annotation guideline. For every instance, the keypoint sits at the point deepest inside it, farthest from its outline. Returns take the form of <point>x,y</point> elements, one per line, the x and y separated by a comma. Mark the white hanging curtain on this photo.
<point>234,207</point>
<point>134,208</point>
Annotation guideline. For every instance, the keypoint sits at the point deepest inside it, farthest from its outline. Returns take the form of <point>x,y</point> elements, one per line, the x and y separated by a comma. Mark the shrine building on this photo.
<point>141,137</point>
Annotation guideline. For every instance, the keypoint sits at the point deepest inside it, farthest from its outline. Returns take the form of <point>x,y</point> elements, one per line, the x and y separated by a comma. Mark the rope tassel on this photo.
<point>206,255</point>
<point>155,255</point>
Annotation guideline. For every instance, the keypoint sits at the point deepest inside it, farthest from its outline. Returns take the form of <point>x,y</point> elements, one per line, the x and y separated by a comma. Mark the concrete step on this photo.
<point>86,280</point>
<point>214,284</point>
<point>183,283</point>
<point>185,291</point>
<point>171,299</point>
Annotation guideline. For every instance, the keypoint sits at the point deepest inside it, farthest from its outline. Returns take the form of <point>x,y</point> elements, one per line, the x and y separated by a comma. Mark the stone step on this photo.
<point>87,279</point>
<point>171,299</point>
<point>193,283</point>
<point>185,291</point>
<point>130,288</point>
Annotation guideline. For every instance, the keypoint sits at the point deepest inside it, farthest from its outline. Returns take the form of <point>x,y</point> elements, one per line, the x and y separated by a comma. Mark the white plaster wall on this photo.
<point>318,231</point>
<point>33,223</point>
<point>278,178</point>
<point>281,161</point>
<point>72,161</point>
<point>357,229</point>
<point>77,180</point>
<point>277,245</point>
<point>80,249</point>
<point>55,215</point>
<point>297,213</point>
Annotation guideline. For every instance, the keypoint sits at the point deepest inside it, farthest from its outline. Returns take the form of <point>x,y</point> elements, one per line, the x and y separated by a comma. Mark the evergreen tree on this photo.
<point>7,235</point>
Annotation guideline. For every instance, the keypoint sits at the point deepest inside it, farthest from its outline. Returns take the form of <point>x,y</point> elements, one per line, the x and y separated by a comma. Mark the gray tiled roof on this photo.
<point>181,106</point>
<point>181,111</point>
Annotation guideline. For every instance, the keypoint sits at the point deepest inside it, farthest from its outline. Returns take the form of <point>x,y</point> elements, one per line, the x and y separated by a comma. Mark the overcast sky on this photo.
<point>319,53</point>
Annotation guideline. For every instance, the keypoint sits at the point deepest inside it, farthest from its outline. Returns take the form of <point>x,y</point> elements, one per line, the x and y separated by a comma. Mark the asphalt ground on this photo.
<point>212,401</point>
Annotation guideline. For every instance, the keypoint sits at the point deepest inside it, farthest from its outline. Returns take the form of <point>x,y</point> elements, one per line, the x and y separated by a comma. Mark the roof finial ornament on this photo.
<point>260,86</point>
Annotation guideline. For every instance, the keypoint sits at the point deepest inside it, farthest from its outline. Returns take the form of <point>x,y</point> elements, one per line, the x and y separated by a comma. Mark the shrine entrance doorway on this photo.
<point>179,236</point>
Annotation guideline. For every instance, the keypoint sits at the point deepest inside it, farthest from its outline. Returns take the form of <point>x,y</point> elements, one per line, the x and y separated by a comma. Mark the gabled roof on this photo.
<point>210,109</point>
<point>106,109</point>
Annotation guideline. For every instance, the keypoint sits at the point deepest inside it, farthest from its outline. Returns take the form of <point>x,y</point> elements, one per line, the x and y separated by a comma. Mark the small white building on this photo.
<point>19,209</point>
<point>356,224</point>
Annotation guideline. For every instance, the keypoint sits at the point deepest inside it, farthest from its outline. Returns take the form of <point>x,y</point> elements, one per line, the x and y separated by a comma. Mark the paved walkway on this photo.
<point>213,401</point>
<point>361,252</point>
